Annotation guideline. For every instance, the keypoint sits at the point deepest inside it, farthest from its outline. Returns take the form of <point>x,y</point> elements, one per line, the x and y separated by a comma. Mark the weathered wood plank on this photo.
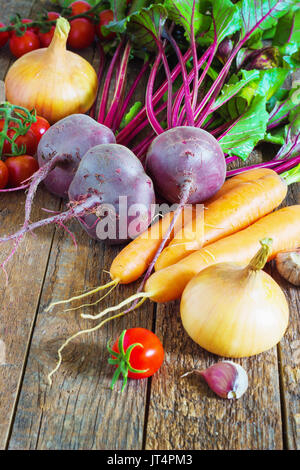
<point>19,300</point>
<point>289,355</point>
<point>79,411</point>
<point>185,414</point>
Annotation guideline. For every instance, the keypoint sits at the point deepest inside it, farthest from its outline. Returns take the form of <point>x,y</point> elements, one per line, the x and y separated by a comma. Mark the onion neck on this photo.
<point>259,260</point>
<point>59,41</point>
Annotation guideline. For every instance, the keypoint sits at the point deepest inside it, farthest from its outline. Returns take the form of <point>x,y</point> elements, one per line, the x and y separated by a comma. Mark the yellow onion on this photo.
<point>233,310</point>
<point>54,81</point>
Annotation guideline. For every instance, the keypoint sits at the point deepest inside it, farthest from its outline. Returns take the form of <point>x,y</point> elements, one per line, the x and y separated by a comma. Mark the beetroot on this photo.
<point>63,146</point>
<point>59,153</point>
<point>106,172</point>
<point>110,171</point>
<point>186,157</point>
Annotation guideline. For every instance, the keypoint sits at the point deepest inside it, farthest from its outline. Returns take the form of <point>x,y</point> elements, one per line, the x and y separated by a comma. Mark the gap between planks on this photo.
<point>36,3</point>
<point>30,335</point>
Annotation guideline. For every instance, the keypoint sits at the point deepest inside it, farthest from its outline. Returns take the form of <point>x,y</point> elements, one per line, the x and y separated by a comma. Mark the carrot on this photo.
<point>282,226</point>
<point>246,198</point>
<point>135,257</point>
<point>168,284</point>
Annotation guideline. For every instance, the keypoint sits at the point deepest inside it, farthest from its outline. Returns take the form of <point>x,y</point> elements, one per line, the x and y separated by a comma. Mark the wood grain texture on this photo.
<point>80,411</point>
<point>185,414</point>
<point>19,300</point>
<point>289,354</point>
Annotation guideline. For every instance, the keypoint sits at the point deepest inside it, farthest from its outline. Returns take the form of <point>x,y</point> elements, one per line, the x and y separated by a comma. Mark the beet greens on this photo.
<point>226,80</point>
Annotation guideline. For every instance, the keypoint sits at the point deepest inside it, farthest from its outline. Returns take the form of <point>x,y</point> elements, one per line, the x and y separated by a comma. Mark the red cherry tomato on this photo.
<point>3,175</point>
<point>144,357</point>
<point>46,38</point>
<point>6,149</point>
<point>20,45</point>
<point>105,17</point>
<point>81,34</point>
<point>79,7</point>
<point>20,168</point>
<point>28,141</point>
<point>53,15</point>
<point>4,36</point>
<point>34,29</point>
<point>39,127</point>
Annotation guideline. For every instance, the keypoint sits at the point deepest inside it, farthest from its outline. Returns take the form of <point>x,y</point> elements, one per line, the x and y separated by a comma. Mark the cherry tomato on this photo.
<point>6,145</point>
<point>144,356</point>
<point>3,175</point>
<point>105,17</point>
<point>4,36</point>
<point>39,127</point>
<point>46,38</point>
<point>20,45</point>
<point>79,7</point>
<point>20,168</point>
<point>81,34</point>
<point>53,15</point>
<point>34,29</point>
<point>28,141</point>
<point>6,149</point>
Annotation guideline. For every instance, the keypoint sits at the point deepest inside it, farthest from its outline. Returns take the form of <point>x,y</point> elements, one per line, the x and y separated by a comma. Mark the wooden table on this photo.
<point>79,411</point>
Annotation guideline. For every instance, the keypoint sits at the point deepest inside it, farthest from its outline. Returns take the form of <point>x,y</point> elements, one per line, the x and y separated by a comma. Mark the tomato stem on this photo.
<point>23,120</point>
<point>121,359</point>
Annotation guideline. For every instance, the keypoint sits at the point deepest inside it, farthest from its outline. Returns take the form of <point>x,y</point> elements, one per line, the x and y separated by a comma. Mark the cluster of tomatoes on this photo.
<point>16,169</point>
<point>82,32</point>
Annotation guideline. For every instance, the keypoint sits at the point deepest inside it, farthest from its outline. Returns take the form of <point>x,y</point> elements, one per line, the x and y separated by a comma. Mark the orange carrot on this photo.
<point>240,201</point>
<point>247,198</point>
<point>282,226</point>
<point>135,257</point>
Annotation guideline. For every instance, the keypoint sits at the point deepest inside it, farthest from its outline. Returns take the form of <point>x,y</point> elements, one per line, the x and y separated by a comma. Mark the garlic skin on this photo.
<point>54,81</point>
<point>226,379</point>
<point>288,266</point>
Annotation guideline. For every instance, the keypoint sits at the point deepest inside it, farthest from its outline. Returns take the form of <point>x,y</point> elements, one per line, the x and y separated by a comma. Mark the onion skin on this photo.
<point>54,81</point>
<point>234,311</point>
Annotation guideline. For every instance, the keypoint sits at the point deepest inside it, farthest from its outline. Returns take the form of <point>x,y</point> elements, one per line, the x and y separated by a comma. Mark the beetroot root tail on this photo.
<point>78,209</point>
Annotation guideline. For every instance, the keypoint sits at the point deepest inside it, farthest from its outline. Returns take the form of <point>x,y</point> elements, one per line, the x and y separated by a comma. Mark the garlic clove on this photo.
<point>288,266</point>
<point>226,379</point>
